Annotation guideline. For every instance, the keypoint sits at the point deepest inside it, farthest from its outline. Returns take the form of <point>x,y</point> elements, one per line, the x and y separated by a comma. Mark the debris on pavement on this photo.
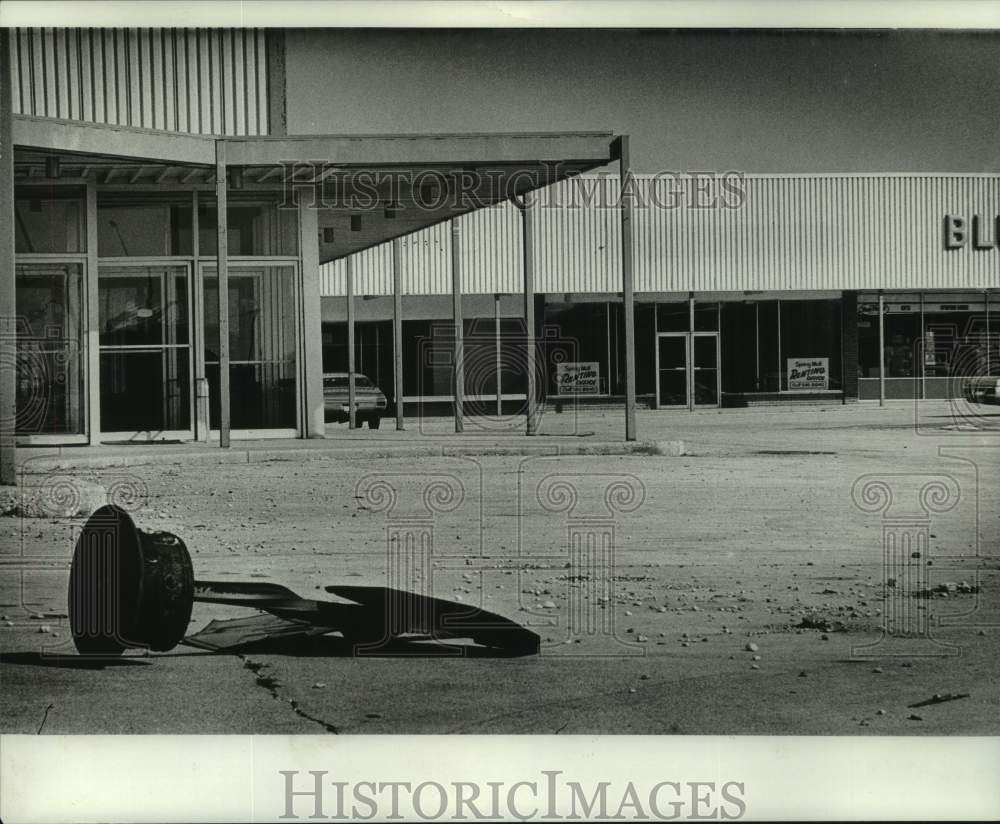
<point>816,622</point>
<point>939,698</point>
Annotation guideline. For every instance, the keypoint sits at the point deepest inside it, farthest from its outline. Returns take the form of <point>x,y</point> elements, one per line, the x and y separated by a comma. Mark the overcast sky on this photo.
<point>757,101</point>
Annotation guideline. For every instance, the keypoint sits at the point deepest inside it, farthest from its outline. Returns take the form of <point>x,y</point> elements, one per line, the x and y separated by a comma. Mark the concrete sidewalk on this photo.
<point>363,444</point>
<point>575,432</point>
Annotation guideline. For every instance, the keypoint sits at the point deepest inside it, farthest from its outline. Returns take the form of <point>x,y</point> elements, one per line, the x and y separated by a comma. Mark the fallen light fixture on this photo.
<point>130,588</point>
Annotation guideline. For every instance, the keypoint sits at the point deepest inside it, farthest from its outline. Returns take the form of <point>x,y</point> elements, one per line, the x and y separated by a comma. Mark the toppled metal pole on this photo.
<point>135,589</point>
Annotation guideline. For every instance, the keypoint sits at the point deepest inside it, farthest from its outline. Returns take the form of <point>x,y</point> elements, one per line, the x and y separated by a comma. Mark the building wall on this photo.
<point>756,233</point>
<point>202,81</point>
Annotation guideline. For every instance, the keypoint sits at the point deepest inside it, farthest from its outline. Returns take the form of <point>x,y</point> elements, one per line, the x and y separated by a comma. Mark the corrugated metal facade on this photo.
<point>789,232</point>
<point>201,81</point>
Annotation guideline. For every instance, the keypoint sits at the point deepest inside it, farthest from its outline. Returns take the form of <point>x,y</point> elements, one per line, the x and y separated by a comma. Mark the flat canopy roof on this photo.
<point>368,188</point>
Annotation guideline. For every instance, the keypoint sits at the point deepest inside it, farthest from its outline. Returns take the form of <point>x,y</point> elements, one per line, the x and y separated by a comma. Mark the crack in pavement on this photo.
<point>271,684</point>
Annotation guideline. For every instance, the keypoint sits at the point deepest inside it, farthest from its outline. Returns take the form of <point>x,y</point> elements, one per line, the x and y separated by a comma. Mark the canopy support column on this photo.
<point>456,313</point>
<point>628,298</point>
<point>352,416</point>
<point>314,413</point>
<point>524,204</point>
<point>397,331</point>
<point>222,269</point>
<point>881,348</point>
<point>8,308</point>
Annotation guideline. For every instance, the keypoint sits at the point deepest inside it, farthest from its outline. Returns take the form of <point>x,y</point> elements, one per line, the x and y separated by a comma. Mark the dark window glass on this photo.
<point>868,359</point>
<point>132,227</point>
<point>767,346</point>
<point>50,363</point>
<point>706,317</point>
<point>902,336</point>
<point>738,338</point>
<point>47,223</point>
<point>810,333</point>
<point>673,317</point>
<point>145,348</point>
<point>255,228</point>
<point>513,356</point>
<point>582,336</point>
<point>145,390</point>
<point>261,347</point>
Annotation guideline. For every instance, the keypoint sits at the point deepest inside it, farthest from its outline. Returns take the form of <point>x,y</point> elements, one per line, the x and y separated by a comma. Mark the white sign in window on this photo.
<point>581,378</point>
<point>808,374</point>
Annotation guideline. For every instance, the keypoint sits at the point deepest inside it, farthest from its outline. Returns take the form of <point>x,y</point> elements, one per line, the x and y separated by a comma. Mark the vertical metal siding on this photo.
<point>791,232</point>
<point>183,80</point>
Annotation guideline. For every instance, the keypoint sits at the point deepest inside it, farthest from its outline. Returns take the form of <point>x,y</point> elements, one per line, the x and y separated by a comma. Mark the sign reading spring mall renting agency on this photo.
<point>580,378</point>
<point>808,374</point>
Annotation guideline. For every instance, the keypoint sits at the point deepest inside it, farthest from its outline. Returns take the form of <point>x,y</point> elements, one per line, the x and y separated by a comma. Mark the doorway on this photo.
<point>263,366</point>
<point>145,351</point>
<point>687,370</point>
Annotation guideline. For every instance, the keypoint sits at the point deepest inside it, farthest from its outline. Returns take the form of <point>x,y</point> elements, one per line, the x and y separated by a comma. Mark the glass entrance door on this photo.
<point>262,345</point>
<point>705,368</point>
<point>672,369</point>
<point>687,369</point>
<point>145,351</point>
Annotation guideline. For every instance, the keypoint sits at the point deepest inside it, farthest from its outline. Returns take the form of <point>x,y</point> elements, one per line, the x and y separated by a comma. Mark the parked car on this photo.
<point>369,402</point>
<point>984,389</point>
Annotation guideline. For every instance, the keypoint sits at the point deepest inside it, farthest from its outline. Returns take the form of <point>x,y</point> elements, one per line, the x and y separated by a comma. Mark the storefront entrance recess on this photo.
<point>687,369</point>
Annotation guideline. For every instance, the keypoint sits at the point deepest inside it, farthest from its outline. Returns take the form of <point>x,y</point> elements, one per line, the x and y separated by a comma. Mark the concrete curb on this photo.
<point>40,464</point>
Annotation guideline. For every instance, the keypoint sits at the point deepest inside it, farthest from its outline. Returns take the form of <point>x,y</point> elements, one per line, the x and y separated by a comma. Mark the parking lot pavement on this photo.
<point>744,577</point>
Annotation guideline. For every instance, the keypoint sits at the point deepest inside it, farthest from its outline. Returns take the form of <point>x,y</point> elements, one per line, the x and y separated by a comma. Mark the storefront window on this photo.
<point>255,228</point>
<point>261,347</point>
<point>513,355</point>
<point>993,336</point>
<point>49,351</point>
<point>810,345</point>
<point>769,352</point>
<point>706,317</point>
<point>143,227</point>
<point>580,336</point>
<point>673,317</point>
<point>738,339</point>
<point>932,341</point>
<point>48,222</point>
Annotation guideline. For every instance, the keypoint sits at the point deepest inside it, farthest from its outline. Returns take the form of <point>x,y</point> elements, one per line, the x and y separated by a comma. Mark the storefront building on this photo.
<point>118,149</point>
<point>750,290</point>
<point>741,289</point>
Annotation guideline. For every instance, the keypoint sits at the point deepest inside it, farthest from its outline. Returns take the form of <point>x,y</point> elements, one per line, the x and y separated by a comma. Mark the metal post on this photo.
<point>656,354</point>
<point>922,356</point>
<point>881,349</point>
<point>986,298</point>
<point>222,268</point>
<point>756,345</point>
<point>780,371</point>
<point>202,417</point>
<point>8,308</point>
<point>92,319</point>
<point>628,302</point>
<point>456,314</point>
<point>352,421</point>
<point>310,321</point>
<point>397,331</point>
<point>528,257</point>
<point>689,351</point>
<point>496,333</point>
